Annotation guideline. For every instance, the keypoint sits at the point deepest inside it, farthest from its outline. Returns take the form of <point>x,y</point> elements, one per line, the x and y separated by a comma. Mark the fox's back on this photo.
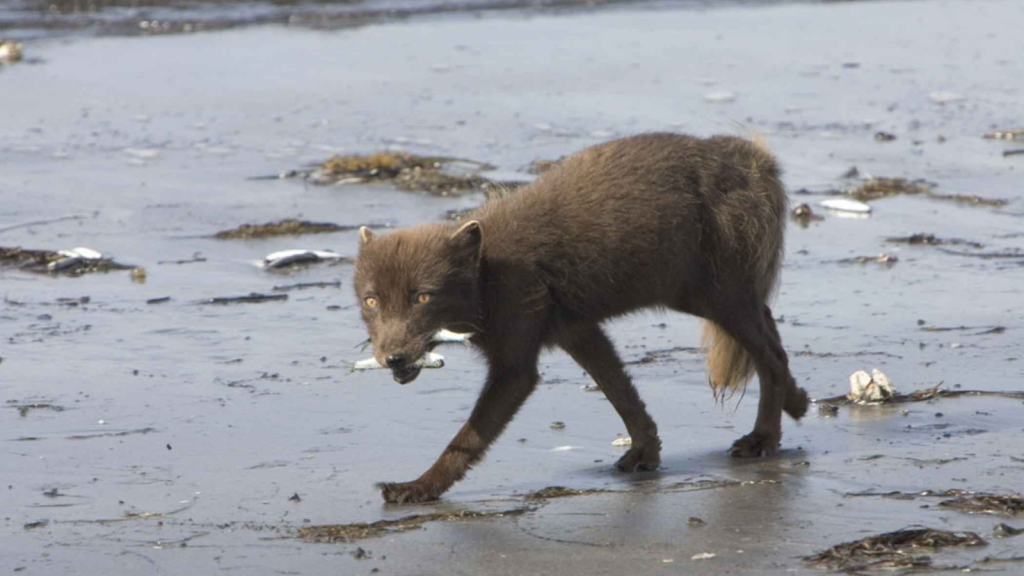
<point>611,228</point>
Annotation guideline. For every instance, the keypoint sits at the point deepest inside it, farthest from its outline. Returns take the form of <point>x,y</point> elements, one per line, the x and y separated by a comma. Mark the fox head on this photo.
<point>414,282</point>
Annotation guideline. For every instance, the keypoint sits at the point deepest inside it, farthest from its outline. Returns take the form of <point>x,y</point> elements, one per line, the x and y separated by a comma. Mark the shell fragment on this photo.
<point>10,51</point>
<point>871,388</point>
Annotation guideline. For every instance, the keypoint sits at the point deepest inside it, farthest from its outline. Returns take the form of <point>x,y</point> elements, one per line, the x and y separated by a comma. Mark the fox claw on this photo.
<point>405,492</point>
<point>754,445</point>
<point>639,459</point>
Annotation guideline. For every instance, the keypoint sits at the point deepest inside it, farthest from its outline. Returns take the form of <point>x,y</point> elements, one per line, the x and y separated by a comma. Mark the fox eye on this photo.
<point>370,301</point>
<point>423,297</point>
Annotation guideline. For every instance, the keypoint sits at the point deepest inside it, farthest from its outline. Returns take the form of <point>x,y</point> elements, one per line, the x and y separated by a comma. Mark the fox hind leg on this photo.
<point>747,324</point>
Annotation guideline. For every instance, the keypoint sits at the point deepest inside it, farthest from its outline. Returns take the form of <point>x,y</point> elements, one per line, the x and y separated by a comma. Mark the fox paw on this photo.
<point>406,492</point>
<point>639,459</point>
<point>755,445</point>
<point>796,402</point>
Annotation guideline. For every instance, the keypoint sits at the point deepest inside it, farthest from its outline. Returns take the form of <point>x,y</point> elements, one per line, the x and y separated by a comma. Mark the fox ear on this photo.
<point>469,238</point>
<point>365,235</point>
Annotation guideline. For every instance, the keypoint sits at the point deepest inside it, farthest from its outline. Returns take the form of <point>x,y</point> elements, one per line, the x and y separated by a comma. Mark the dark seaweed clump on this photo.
<point>342,533</point>
<point>893,550</point>
<point>39,261</point>
<point>405,171</point>
<point>289,227</point>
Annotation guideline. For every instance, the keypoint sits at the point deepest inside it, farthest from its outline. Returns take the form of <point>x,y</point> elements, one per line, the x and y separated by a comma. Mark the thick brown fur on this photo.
<point>656,220</point>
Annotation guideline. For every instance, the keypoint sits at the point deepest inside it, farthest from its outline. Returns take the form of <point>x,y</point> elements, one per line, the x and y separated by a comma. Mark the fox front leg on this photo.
<point>506,390</point>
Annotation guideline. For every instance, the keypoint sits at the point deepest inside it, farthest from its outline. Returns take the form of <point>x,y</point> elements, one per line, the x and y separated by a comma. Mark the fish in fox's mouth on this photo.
<point>406,374</point>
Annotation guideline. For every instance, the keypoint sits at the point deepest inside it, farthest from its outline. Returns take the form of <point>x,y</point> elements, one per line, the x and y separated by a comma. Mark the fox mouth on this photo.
<point>406,374</point>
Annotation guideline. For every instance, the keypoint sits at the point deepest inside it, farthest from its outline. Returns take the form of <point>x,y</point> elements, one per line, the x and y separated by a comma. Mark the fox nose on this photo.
<point>395,361</point>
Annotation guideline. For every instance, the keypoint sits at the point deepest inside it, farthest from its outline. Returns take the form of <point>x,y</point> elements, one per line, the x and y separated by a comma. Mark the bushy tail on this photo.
<point>729,365</point>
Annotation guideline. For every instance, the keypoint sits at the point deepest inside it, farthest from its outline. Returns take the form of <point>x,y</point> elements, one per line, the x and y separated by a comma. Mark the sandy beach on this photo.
<point>146,430</point>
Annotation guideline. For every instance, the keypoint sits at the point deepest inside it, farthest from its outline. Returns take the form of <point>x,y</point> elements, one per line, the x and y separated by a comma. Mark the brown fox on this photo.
<point>650,221</point>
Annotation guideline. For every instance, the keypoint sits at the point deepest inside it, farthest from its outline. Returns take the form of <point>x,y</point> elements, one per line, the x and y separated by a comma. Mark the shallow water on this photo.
<point>36,18</point>
<point>150,141</point>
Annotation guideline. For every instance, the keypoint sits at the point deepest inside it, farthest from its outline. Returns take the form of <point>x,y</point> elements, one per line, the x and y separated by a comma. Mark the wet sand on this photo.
<point>184,429</point>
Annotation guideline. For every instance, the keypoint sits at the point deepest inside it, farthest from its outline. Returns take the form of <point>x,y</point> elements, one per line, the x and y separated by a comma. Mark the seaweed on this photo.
<point>876,188</point>
<point>971,199</point>
<point>405,171</point>
<point>288,227</point>
<point>344,533</point>
<point>23,409</point>
<point>927,394</point>
<point>561,492</point>
<point>652,356</point>
<point>1011,505</point>
<point>304,285</point>
<point>923,239</point>
<point>893,550</point>
<point>251,298</point>
<point>886,260</point>
<point>39,261</point>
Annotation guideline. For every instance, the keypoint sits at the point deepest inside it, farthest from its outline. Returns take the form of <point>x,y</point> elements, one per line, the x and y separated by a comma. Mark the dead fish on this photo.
<point>72,258</point>
<point>428,360</point>
<point>447,336</point>
<point>846,205</point>
<point>287,257</point>
<point>64,263</point>
<point>86,253</point>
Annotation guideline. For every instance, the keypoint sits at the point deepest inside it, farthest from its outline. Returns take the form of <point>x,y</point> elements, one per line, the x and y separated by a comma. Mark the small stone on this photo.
<point>557,425</point>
